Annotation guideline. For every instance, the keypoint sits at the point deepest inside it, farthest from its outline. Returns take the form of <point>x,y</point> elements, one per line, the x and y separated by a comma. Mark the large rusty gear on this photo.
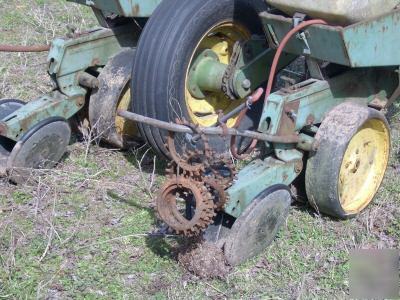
<point>189,190</point>
<point>218,192</point>
<point>222,168</point>
<point>191,162</point>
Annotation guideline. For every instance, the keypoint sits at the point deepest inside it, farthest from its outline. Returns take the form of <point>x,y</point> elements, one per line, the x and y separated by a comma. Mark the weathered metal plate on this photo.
<point>259,175</point>
<point>257,227</point>
<point>7,107</point>
<point>342,12</point>
<point>365,44</point>
<point>317,97</point>
<point>126,8</point>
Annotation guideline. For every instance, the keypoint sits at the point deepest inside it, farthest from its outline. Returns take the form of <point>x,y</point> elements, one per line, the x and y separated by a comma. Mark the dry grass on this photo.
<point>86,229</point>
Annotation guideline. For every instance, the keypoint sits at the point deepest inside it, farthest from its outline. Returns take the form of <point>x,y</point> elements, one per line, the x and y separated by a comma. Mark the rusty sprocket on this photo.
<point>195,197</point>
<point>191,162</point>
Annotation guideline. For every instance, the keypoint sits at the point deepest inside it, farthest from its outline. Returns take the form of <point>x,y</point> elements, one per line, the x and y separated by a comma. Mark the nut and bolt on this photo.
<point>246,84</point>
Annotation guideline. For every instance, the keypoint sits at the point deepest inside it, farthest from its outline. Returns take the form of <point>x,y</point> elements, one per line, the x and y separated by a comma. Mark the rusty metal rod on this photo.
<point>292,139</point>
<point>18,48</point>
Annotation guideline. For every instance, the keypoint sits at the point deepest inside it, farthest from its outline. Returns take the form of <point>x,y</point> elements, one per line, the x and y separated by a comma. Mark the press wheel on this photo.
<point>42,147</point>
<point>345,173</point>
<point>113,94</point>
<point>176,35</point>
<point>7,107</point>
<point>258,225</point>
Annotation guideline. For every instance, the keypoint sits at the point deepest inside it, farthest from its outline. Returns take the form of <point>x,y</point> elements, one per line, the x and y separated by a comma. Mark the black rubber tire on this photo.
<point>164,53</point>
<point>324,164</point>
<point>114,79</point>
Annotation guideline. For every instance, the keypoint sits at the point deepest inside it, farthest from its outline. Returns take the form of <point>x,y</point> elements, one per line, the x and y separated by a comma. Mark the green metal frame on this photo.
<point>125,8</point>
<point>365,44</point>
<point>306,104</point>
<point>207,72</point>
<point>257,177</point>
<point>68,59</point>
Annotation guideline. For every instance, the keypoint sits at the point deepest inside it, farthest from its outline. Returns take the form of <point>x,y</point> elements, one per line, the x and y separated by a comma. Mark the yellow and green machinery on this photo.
<point>185,77</point>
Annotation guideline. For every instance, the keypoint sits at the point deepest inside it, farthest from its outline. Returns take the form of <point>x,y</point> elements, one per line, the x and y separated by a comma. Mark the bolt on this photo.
<point>298,167</point>
<point>246,84</point>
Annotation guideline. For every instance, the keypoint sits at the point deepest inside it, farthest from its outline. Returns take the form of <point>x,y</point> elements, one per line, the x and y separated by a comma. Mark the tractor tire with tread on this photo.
<point>166,50</point>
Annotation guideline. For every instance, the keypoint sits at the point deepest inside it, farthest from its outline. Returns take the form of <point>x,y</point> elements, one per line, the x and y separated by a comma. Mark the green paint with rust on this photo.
<point>67,59</point>
<point>255,178</point>
<point>312,99</point>
<point>206,74</point>
<point>365,44</point>
<point>125,8</point>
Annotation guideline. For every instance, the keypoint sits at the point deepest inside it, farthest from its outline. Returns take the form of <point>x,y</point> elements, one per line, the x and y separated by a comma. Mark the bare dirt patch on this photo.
<point>204,260</point>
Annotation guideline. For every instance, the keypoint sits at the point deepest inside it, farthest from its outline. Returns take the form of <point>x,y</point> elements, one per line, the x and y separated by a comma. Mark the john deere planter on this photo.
<point>200,82</point>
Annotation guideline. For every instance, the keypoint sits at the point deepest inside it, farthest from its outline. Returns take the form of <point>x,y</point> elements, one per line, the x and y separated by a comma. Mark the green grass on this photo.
<point>81,233</point>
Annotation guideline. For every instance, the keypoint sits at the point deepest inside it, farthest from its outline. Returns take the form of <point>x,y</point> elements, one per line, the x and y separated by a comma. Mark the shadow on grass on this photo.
<point>159,242</point>
<point>143,159</point>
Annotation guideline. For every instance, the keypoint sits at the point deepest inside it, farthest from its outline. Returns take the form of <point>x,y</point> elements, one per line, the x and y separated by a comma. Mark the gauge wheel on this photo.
<point>7,107</point>
<point>41,147</point>
<point>258,225</point>
<point>113,94</point>
<point>175,36</point>
<point>345,172</point>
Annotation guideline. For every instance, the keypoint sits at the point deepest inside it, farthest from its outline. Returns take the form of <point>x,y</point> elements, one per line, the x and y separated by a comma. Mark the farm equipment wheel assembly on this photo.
<point>179,33</point>
<point>345,172</point>
<point>41,147</point>
<point>7,107</point>
<point>257,227</point>
<point>112,94</point>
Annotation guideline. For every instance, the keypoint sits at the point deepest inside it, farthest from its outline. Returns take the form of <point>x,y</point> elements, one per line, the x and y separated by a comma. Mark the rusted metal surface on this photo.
<point>337,12</point>
<point>291,139</point>
<point>289,118</point>
<point>196,197</point>
<point>191,162</point>
<point>19,48</point>
<point>87,80</point>
<point>198,179</point>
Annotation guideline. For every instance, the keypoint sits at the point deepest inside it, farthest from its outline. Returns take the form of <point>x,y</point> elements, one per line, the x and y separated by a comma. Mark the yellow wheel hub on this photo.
<point>364,165</point>
<point>123,126</point>
<point>221,39</point>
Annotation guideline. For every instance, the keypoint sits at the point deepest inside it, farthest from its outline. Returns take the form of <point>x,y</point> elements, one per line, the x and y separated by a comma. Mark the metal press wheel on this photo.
<point>113,94</point>
<point>176,35</point>
<point>345,173</point>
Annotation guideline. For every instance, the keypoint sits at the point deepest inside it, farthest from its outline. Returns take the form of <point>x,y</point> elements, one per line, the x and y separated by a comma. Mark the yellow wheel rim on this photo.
<point>221,39</point>
<point>124,127</point>
<point>364,165</point>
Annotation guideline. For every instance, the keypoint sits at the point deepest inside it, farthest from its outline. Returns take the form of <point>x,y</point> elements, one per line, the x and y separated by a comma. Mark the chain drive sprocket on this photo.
<point>203,174</point>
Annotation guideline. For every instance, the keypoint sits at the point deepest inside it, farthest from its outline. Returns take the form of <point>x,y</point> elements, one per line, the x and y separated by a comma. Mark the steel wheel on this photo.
<point>363,166</point>
<point>346,171</point>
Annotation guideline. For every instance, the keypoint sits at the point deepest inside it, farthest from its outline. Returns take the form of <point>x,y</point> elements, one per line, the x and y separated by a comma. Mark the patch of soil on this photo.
<point>204,260</point>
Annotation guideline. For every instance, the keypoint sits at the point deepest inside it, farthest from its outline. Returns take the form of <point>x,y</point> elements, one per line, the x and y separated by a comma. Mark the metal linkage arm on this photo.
<point>291,139</point>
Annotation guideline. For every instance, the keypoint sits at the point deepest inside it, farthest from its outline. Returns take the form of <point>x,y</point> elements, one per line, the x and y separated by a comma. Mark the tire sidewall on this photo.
<point>179,39</point>
<point>324,165</point>
<point>211,14</point>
